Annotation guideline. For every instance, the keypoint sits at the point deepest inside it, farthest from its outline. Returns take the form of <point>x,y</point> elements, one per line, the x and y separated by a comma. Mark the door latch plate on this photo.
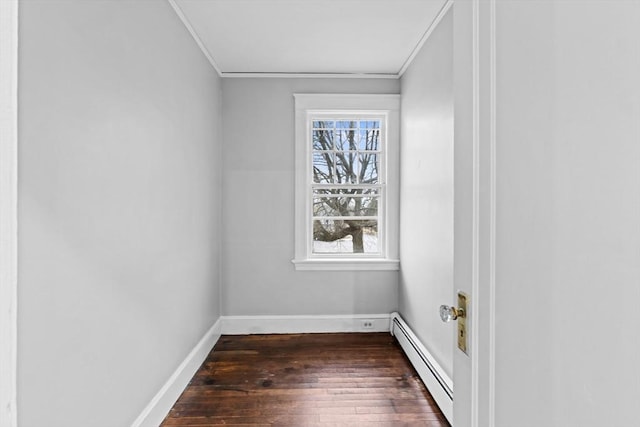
<point>462,322</point>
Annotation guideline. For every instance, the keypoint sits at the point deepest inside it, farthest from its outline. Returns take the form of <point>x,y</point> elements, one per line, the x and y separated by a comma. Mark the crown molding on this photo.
<point>425,37</point>
<point>194,35</point>
<point>310,75</point>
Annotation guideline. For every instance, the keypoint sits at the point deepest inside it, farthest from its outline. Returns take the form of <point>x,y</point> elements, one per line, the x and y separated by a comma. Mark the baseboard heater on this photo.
<point>435,379</point>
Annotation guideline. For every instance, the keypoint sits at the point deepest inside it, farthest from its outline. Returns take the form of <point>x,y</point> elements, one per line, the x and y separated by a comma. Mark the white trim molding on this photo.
<point>194,35</point>
<point>425,37</point>
<point>475,253</point>
<point>158,408</point>
<point>484,215</point>
<point>433,376</point>
<point>347,265</point>
<point>8,210</point>
<point>492,216</point>
<point>304,324</point>
<point>287,75</point>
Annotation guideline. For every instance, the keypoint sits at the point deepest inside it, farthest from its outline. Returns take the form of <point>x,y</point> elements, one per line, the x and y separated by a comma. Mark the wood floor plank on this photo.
<point>310,380</point>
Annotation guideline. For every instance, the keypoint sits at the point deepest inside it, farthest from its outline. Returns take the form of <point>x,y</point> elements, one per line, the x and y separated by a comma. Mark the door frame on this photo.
<point>475,60</point>
<point>484,215</point>
<point>8,210</point>
<point>485,175</point>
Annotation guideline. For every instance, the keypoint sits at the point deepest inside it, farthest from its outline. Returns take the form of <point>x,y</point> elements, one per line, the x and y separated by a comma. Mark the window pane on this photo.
<point>323,124</point>
<point>369,140</point>
<point>346,139</point>
<point>368,172</point>
<point>346,124</point>
<point>322,139</point>
<point>345,206</point>
<point>346,168</point>
<point>337,236</point>
<point>370,124</point>
<point>323,168</point>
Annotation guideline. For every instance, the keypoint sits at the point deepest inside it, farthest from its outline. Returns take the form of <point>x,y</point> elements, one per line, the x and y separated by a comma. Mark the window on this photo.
<point>346,182</point>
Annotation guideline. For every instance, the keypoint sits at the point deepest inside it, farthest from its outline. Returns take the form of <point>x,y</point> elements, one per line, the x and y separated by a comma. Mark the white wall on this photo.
<point>258,208</point>
<point>119,192</point>
<point>426,207</point>
<point>568,214</point>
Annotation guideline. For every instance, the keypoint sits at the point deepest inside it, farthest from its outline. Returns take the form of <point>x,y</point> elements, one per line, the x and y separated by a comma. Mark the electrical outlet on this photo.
<point>367,324</point>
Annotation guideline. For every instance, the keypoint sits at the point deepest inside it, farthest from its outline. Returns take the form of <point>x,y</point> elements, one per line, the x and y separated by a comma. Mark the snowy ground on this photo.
<point>346,245</point>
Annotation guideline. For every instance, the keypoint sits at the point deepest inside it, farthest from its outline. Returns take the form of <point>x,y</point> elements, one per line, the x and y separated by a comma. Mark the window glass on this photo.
<point>345,185</point>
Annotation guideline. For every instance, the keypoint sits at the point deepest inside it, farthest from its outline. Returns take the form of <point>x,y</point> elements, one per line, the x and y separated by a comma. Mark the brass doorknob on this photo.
<point>448,314</point>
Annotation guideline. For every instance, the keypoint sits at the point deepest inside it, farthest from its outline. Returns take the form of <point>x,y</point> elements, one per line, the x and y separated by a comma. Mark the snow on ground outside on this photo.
<point>346,245</point>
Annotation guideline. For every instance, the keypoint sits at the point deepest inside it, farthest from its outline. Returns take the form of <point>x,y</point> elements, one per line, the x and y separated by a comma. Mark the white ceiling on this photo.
<point>309,36</point>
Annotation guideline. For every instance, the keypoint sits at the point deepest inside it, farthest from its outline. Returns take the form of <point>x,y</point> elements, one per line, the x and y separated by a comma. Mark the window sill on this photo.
<point>346,264</point>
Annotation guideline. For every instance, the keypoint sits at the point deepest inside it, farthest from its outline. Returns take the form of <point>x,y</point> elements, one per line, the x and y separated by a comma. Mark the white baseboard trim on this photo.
<point>247,325</point>
<point>439,384</point>
<point>155,412</point>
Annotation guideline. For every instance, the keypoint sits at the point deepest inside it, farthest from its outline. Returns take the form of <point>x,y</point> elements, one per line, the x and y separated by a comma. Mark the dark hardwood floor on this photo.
<point>306,380</point>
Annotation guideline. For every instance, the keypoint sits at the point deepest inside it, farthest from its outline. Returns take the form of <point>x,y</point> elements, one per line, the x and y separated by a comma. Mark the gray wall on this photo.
<point>258,207</point>
<point>426,207</point>
<point>119,213</point>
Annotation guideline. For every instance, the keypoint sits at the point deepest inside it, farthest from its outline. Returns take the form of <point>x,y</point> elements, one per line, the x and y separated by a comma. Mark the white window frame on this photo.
<point>308,106</point>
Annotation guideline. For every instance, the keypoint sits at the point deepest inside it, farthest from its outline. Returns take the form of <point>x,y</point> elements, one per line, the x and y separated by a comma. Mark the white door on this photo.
<point>547,212</point>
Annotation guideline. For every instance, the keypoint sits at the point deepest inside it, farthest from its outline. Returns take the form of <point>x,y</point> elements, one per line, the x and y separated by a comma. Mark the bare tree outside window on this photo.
<point>346,188</point>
